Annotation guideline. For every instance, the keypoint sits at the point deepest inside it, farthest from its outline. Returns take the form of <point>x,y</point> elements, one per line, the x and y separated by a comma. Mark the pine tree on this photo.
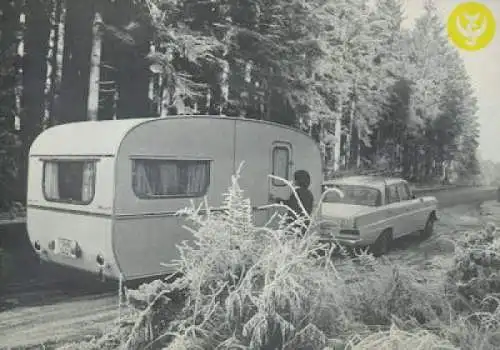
<point>9,142</point>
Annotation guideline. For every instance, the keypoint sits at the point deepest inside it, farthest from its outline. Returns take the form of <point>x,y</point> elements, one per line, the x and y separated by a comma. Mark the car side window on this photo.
<point>410,193</point>
<point>404,193</point>
<point>392,194</point>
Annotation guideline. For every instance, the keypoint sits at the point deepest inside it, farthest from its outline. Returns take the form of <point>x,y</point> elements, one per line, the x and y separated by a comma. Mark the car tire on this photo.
<point>383,244</point>
<point>429,227</point>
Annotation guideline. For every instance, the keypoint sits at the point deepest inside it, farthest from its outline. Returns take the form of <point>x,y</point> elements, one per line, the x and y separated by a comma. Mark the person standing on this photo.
<point>303,195</point>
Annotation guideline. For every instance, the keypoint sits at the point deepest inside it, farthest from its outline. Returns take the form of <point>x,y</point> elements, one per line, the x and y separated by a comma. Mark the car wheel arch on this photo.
<point>429,225</point>
<point>389,231</point>
<point>376,245</point>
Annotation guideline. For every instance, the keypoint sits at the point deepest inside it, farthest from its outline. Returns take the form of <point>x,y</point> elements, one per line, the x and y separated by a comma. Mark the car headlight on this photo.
<point>328,226</point>
<point>348,223</point>
<point>339,224</point>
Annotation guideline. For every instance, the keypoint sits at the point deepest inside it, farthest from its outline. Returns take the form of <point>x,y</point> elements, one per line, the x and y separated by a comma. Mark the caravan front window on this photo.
<point>157,178</point>
<point>70,181</point>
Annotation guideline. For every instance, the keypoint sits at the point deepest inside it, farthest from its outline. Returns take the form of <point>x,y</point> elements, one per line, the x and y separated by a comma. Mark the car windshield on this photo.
<point>353,194</point>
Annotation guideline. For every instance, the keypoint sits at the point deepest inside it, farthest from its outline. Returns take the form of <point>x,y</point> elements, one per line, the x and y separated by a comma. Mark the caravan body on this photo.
<point>102,195</point>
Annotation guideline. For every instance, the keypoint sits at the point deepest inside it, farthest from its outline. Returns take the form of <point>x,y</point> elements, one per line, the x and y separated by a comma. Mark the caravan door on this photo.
<point>281,166</point>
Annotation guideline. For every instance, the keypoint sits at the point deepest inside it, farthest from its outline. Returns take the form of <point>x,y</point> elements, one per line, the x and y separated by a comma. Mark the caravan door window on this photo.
<point>157,178</point>
<point>281,162</point>
<point>69,181</point>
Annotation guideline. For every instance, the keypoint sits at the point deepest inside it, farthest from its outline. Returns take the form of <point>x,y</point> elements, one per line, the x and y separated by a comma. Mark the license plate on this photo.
<point>65,247</point>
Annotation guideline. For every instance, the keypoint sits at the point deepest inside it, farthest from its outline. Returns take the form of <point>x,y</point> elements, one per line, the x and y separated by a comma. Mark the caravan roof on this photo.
<point>84,138</point>
<point>102,138</point>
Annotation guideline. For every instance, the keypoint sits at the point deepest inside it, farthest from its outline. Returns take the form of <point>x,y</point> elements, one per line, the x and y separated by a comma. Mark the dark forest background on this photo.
<point>375,95</point>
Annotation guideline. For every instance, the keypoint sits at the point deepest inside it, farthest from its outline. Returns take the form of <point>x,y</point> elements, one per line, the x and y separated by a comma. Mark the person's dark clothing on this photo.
<point>307,199</point>
<point>305,196</point>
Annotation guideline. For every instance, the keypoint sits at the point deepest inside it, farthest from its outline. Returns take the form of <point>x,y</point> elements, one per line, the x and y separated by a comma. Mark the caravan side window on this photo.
<point>69,181</point>
<point>281,161</point>
<point>158,178</point>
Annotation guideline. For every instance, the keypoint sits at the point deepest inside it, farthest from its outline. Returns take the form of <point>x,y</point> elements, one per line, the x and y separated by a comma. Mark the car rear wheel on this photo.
<point>383,244</point>
<point>429,227</point>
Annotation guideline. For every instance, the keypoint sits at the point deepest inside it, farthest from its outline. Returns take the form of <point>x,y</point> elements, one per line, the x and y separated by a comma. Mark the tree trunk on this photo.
<point>95,63</point>
<point>355,148</point>
<point>358,147</point>
<point>225,72</point>
<point>406,159</point>
<point>152,89</point>
<point>349,136</point>
<point>36,44</point>
<point>76,63</point>
<point>268,94</point>
<point>56,59</point>
<point>338,137</point>
<point>11,189</point>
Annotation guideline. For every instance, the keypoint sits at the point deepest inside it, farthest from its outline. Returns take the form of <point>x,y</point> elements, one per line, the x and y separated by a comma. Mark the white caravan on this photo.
<point>102,195</point>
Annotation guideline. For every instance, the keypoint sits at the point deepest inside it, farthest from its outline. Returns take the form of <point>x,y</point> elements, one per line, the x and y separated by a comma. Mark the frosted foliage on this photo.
<point>428,66</point>
<point>402,340</point>
<point>246,280</point>
<point>353,36</point>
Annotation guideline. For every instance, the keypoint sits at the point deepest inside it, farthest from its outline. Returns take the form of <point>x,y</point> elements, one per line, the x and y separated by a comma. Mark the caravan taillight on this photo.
<point>100,260</point>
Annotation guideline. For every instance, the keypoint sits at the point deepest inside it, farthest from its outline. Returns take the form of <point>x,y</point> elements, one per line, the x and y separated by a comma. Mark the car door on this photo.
<point>409,207</point>
<point>394,211</point>
<point>418,211</point>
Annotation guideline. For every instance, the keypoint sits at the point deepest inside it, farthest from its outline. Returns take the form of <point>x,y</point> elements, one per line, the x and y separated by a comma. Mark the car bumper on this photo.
<point>352,242</point>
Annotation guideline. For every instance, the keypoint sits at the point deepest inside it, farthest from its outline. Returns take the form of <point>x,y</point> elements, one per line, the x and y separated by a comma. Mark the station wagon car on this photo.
<point>367,211</point>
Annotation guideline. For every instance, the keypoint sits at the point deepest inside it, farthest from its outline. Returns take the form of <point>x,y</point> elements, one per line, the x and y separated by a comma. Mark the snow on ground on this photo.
<point>84,317</point>
<point>434,255</point>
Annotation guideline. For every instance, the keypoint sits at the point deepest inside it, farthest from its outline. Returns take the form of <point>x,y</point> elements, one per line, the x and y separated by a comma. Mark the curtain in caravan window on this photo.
<point>141,181</point>
<point>51,180</point>
<point>169,178</point>
<point>197,176</point>
<point>88,179</point>
<point>187,178</point>
<point>70,181</point>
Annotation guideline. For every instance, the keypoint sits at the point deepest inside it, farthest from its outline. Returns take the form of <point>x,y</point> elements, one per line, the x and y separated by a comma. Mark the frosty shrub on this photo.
<point>398,339</point>
<point>475,275</point>
<point>241,286</point>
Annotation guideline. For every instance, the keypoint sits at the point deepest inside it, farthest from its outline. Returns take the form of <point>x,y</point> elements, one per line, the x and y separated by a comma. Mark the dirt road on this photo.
<point>34,327</point>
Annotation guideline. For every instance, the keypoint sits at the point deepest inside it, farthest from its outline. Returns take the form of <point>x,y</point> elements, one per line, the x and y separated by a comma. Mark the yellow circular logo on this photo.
<point>471,26</point>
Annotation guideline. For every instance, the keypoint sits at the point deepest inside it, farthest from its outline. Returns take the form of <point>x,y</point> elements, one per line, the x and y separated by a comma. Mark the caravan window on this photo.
<point>281,161</point>
<point>70,181</point>
<point>153,178</point>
